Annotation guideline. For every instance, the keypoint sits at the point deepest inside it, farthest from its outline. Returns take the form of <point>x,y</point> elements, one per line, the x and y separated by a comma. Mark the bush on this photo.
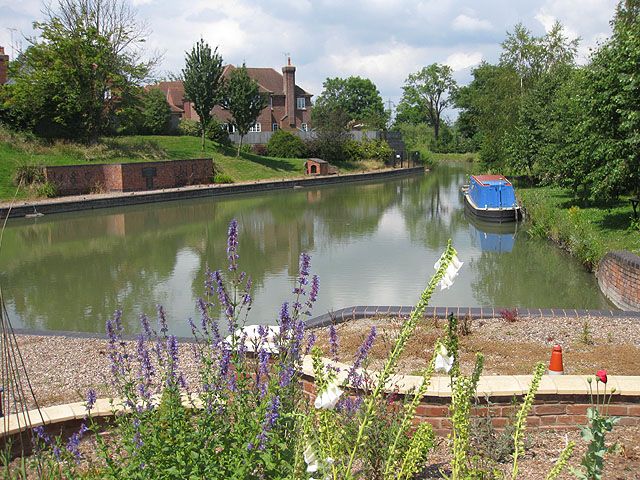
<point>259,149</point>
<point>27,174</point>
<point>190,128</point>
<point>156,113</point>
<point>367,149</point>
<point>284,144</point>
<point>217,133</point>
<point>222,178</point>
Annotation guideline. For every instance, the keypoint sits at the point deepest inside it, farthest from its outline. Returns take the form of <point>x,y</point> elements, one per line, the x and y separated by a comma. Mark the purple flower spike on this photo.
<point>361,356</point>
<point>269,421</point>
<point>232,245</point>
<point>333,342</point>
<point>92,396</point>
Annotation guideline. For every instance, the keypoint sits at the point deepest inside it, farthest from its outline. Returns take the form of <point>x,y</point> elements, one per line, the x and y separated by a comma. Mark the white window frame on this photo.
<point>274,127</point>
<point>304,127</point>
<point>301,103</point>
<point>256,128</point>
<point>229,127</point>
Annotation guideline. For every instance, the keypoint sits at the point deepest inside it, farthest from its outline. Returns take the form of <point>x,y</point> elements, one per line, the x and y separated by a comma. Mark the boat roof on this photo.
<point>487,180</point>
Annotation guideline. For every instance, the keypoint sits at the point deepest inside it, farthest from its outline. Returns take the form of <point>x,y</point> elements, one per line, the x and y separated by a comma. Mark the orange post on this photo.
<point>555,365</point>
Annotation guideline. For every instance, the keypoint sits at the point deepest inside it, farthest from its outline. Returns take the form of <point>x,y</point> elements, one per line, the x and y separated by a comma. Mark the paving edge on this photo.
<point>562,390</point>
<point>367,311</point>
<point>90,202</point>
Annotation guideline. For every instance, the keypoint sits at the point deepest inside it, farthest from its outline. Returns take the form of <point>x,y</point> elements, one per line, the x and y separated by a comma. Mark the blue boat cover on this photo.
<point>491,191</point>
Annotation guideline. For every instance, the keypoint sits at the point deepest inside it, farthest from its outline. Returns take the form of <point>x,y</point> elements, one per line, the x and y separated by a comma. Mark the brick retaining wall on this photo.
<point>129,177</point>
<point>619,279</point>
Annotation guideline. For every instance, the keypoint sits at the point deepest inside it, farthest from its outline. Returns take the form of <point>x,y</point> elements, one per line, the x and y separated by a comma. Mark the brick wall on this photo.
<point>129,177</point>
<point>549,412</point>
<point>619,279</point>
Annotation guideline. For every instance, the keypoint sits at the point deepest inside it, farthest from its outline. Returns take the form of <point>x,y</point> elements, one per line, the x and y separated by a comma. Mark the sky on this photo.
<point>383,40</point>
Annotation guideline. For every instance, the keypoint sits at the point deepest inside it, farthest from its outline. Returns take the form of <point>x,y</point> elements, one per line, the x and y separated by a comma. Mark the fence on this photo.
<point>262,138</point>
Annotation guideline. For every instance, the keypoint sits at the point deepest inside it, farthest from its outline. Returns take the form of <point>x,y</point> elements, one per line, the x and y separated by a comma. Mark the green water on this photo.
<point>371,244</point>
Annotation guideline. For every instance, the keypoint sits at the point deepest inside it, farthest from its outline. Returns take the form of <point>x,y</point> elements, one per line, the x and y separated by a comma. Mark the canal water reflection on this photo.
<point>372,243</point>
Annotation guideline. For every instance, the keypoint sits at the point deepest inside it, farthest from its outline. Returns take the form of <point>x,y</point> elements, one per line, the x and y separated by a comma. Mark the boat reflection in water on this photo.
<point>491,236</point>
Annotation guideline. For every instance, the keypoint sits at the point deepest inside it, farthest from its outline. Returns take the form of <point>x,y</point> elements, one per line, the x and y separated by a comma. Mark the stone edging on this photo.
<point>89,202</point>
<point>561,402</point>
<point>367,311</point>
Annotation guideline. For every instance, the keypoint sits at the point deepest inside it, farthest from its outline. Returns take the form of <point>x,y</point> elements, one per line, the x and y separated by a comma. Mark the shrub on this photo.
<point>46,189</point>
<point>283,144</point>
<point>156,112</point>
<point>27,174</point>
<point>216,132</point>
<point>189,128</point>
<point>222,178</point>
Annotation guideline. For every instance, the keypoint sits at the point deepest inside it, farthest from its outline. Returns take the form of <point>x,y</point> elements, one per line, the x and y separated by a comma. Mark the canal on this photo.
<point>370,244</point>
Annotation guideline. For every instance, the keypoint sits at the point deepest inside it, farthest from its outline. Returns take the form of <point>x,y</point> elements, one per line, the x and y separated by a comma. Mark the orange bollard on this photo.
<point>555,365</point>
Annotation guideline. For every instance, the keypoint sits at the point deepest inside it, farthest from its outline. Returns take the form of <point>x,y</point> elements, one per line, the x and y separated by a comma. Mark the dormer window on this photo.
<point>301,103</point>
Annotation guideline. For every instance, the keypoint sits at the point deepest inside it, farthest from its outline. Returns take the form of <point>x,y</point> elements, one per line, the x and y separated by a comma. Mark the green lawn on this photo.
<point>16,151</point>
<point>587,229</point>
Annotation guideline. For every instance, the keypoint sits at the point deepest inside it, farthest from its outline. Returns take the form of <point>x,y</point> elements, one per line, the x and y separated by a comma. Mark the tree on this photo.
<point>358,97</point>
<point>156,112</point>
<point>243,99</point>
<point>203,82</point>
<point>430,89</point>
<point>85,66</point>
<point>532,56</point>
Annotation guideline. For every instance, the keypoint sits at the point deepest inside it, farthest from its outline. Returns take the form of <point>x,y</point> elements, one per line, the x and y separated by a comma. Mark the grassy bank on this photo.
<point>17,152</point>
<point>454,157</point>
<point>587,230</point>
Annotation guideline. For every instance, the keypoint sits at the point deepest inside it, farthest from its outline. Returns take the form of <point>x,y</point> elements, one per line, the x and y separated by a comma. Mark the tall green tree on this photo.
<point>610,100</point>
<point>203,82</point>
<point>243,99</point>
<point>84,66</point>
<point>156,112</point>
<point>430,90</point>
<point>358,97</point>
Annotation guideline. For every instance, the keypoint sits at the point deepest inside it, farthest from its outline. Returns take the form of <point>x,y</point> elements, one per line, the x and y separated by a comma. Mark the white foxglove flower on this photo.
<point>310,459</point>
<point>455,261</point>
<point>444,361</point>
<point>329,397</point>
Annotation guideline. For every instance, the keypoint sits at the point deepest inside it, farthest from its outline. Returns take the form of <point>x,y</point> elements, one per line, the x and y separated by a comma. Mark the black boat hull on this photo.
<point>493,215</point>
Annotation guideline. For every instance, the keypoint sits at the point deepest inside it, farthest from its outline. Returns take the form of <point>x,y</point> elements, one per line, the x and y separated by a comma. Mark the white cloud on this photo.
<point>137,3</point>
<point>465,22</point>
<point>461,60</point>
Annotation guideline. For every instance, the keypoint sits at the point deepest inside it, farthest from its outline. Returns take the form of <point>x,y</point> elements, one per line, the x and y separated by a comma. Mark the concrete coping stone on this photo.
<point>440,387</point>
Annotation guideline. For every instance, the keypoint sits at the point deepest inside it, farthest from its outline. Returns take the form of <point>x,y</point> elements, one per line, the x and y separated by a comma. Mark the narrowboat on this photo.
<point>492,199</point>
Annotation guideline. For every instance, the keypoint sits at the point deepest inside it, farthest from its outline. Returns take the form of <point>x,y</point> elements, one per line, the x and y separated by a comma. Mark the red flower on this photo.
<point>602,376</point>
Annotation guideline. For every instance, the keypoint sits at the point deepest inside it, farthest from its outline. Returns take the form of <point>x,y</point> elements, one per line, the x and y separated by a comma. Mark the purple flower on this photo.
<point>262,376</point>
<point>162,320</point>
<point>269,421</point>
<point>223,296</point>
<point>146,327</point>
<point>333,342</point>
<point>73,443</point>
<point>91,398</point>
<point>311,340</point>
<point>232,245</point>
<point>361,356</point>
<point>315,288</point>
<point>284,318</point>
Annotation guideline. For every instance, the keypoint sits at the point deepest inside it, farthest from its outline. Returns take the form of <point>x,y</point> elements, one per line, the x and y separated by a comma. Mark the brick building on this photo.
<point>288,108</point>
<point>4,65</point>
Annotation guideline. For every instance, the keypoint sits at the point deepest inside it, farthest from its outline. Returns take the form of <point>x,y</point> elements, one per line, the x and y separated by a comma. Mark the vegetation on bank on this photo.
<point>18,154</point>
<point>586,229</point>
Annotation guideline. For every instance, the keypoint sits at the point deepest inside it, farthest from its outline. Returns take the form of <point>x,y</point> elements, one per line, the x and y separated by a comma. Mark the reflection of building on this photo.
<point>314,196</point>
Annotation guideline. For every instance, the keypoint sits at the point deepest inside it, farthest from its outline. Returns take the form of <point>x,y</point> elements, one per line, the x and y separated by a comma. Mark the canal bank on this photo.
<point>91,202</point>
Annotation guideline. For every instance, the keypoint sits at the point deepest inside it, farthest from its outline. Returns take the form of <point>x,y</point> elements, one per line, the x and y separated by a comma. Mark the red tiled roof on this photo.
<point>269,79</point>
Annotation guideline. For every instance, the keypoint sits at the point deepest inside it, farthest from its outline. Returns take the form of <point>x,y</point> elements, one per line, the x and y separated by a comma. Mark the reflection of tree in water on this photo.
<point>504,279</point>
<point>71,272</point>
<point>432,208</point>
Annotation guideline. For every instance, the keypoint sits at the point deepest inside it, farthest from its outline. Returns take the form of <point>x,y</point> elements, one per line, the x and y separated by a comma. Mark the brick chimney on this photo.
<point>289,87</point>
<point>4,63</point>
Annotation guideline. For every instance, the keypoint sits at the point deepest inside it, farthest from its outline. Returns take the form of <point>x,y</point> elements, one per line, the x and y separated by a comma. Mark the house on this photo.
<point>4,66</point>
<point>288,108</point>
